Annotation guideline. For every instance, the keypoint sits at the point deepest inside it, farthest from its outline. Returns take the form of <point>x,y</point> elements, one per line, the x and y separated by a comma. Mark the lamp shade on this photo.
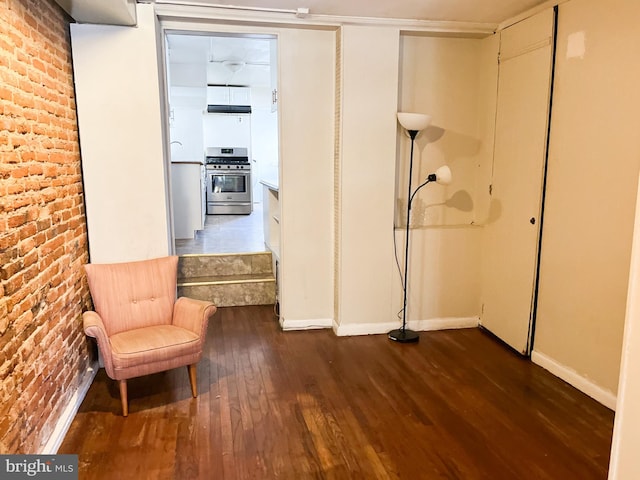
<point>443,175</point>
<point>414,121</point>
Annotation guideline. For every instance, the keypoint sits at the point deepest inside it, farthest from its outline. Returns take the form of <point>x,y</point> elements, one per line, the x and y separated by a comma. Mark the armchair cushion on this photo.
<point>161,343</point>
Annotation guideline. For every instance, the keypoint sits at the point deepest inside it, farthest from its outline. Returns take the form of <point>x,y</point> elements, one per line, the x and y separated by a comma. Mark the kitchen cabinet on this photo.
<point>221,95</point>
<point>271,220</point>
<point>188,193</point>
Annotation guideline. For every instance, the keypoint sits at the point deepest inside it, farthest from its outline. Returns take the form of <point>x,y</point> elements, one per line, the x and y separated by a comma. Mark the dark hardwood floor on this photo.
<point>310,405</point>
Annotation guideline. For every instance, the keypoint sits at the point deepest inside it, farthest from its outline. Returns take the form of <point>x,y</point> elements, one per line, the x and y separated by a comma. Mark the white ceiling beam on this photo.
<point>105,12</point>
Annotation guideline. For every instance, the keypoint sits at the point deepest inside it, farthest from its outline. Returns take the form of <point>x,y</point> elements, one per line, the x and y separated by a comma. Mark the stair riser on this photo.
<point>232,294</point>
<point>218,265</point>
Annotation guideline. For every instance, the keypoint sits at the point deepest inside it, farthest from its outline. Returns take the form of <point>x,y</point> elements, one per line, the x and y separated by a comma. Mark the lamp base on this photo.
<point>403,336</point>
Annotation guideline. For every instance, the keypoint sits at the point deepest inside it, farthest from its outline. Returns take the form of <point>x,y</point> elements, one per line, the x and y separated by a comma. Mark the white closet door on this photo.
<point>512,233</point>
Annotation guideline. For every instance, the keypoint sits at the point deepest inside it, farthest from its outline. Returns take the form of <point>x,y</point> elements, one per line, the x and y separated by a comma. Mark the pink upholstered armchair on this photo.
<point>140,326</point>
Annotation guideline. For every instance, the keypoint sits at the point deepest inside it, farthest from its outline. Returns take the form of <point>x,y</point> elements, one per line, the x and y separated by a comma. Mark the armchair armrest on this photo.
<point>193,314</point>
<point>94,327</point>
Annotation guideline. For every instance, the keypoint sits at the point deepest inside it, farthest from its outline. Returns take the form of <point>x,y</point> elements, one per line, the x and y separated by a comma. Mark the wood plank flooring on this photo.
<point>310,405</point>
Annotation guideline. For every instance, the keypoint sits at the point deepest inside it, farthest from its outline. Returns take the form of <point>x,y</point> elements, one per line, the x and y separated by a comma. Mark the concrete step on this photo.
<point>228,280</point>
<point>204,265</point>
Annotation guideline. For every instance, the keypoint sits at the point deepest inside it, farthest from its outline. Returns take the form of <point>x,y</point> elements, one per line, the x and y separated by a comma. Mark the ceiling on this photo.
<point>482,11</point>
<point>232,60</point>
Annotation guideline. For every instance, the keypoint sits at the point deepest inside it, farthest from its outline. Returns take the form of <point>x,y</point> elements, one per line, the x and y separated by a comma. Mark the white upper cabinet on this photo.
<point>220,95</point>
<point>239,96</point>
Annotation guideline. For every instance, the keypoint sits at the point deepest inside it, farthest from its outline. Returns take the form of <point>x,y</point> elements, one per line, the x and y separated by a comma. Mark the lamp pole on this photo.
<point>403,335</point>
<point>413,123</point>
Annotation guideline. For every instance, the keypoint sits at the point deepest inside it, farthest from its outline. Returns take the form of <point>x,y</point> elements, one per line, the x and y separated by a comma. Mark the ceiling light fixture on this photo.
<point>234,65</point>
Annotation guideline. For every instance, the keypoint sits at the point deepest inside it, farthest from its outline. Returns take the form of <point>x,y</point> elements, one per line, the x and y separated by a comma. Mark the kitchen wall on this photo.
<point>187,94</point>
<point>186,106</point>
<point>592,176</point>
<point>264,137</point>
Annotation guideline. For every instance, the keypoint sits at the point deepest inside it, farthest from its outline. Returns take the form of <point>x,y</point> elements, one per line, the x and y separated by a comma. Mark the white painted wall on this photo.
<point>369,96</point>
<point>119,115</point>
<point>624,462</point>
<point>454,80</point>
<point>594,160</point>
<point>306,110</point>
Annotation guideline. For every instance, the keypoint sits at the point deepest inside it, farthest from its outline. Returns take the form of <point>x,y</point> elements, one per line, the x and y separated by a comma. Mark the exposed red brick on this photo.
<point>43,242</point>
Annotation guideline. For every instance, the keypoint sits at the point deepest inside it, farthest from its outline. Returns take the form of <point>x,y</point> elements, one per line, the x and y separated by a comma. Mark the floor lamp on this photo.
<point>413,123</point>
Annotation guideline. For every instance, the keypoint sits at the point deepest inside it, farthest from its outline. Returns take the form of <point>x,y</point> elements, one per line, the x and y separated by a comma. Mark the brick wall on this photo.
<point>43,241</point>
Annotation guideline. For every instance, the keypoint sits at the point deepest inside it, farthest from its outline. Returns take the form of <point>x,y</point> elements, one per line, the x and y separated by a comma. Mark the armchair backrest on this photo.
<point>134,294</point>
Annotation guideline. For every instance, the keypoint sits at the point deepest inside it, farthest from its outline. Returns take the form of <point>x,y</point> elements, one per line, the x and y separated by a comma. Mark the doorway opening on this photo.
<point>223,129</point>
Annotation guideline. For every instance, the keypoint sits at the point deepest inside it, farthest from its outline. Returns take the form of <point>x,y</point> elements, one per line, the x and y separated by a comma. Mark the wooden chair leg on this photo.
<point>123,397</point>
<point>192,380</point>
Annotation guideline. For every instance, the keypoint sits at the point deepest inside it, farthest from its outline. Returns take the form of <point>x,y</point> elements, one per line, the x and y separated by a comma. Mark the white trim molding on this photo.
<point>446,323</point>
<point>569,375</point>
<point>310,324</point>
<point>64,422</point>
<point>426,325</point>
<point>188,10</point>
<point>352,329</point>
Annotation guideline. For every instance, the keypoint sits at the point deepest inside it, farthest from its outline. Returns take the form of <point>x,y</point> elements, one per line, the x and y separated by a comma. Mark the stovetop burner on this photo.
<point>227,160</point>
<point>227,156</point>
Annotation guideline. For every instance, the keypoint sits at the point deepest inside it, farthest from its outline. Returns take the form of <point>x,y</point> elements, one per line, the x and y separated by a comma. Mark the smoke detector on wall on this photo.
<point>302,12</point>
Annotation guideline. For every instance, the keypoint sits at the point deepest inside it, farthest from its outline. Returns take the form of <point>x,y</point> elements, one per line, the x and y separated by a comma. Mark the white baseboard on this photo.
<point>416,325</point>
<point>446,323</point>
<point>311,324</point>
<point>352,329</point>
<point>64,422</point>
<point>605,397</point>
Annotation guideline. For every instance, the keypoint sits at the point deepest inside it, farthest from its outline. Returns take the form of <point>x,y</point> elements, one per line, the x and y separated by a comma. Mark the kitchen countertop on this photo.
<point>188,162</point>
<point>270,185</point>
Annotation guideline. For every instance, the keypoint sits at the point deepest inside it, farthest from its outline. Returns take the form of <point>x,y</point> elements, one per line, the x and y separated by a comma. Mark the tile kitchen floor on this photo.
<point>227,234</point>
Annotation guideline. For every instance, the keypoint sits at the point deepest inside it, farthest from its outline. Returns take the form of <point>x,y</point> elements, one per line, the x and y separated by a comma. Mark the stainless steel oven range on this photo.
<point>228,174</point>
